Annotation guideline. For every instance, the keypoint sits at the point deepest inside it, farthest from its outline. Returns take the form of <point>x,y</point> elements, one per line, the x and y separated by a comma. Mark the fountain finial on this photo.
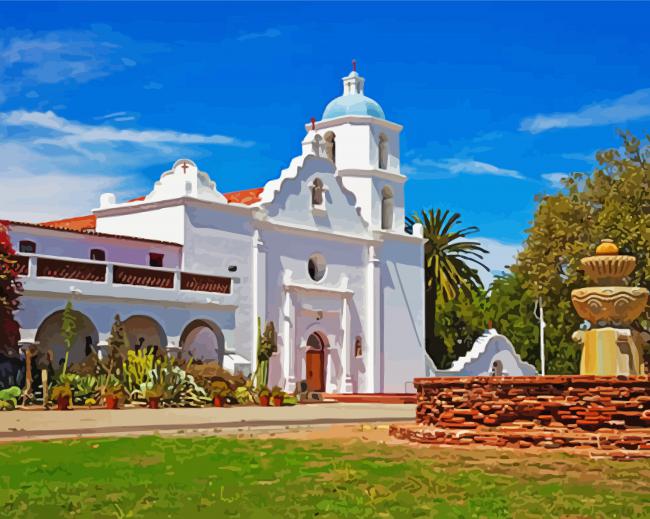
<point>606,247</point>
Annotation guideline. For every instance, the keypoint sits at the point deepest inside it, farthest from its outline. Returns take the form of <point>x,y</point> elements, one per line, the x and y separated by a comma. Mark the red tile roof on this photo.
<point>76,223</point>
<point>246,197</point>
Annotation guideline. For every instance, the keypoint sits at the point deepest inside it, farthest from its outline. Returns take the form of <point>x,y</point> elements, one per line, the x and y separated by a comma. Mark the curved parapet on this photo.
<point>491,354</point>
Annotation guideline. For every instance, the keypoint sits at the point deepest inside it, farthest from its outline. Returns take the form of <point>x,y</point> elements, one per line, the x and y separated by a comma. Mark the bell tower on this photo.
<point>355,134</point>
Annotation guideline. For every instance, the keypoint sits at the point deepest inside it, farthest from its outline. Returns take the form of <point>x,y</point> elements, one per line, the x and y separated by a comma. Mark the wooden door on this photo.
<point>315,372</point>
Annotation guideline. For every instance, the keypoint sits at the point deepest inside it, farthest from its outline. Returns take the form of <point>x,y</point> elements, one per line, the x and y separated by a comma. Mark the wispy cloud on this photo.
<point>31,58</point>
<point>612,111</point>
<point>500,256</point>
<point>555,179</point>
<point>119,117</point>
<point>268,33</point>
<point>59,167</point>
<point>423,168</point>
<point>66,133</point>
<point>582,157</point>
<point>152,85</point>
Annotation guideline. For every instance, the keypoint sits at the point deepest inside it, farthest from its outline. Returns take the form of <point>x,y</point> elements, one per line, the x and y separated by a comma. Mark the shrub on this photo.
<point>9,398</point>
<point>82,387</point>
<point>205,373</point>
<point>61,391</point>
<point>244,395</point>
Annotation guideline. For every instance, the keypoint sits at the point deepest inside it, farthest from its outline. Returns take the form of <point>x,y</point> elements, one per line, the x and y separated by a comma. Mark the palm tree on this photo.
<point>448,262</point>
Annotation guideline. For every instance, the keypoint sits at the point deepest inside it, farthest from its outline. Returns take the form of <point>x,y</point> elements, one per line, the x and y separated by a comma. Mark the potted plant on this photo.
<point>112,395</point>
<point>220,392</point>
<point>62,395</point>
<point>277,395</point>
<point>153,396</point>
<point>264,396</point>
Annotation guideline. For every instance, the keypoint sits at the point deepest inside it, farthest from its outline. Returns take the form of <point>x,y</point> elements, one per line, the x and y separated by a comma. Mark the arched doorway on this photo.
<point>49,337</point>
<point>202,340</point>
<point>144,332</point>
<point>315,362</point>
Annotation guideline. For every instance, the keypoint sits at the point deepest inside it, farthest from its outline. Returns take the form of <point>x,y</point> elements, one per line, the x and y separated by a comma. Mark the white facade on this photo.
<point>321,251</point>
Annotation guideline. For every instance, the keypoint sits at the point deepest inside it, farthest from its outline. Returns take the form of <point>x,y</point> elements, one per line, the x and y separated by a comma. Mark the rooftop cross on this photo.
<point>354,65</point>
<point>184,166</point>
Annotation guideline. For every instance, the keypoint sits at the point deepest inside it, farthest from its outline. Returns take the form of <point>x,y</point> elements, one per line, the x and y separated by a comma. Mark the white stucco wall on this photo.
<point>216,239</point>
<point>157,221</point>
<point>402,314</point>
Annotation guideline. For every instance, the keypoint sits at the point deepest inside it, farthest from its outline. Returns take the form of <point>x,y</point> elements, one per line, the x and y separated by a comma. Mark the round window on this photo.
<point>316,267</point>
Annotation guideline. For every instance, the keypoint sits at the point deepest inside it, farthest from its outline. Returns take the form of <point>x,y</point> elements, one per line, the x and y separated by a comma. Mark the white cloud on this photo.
<point>611,111</point>
<point>53,167</point>
<point>425,167</point>
<point>268,33</point>
<point>555,179</point>
<point>500,255</point>
<point>73,56</point>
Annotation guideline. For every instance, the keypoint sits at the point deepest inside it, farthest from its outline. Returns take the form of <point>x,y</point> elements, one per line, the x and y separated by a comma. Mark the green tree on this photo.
<point>612,202</point>
<point>449,261</point>
<point>68,331</point>
<point>10,292</point>
<point>511,309</point>
<point>459,323</point>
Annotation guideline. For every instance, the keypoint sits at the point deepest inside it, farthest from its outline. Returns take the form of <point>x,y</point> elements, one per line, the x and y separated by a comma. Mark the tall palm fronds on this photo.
<point>449,261</point>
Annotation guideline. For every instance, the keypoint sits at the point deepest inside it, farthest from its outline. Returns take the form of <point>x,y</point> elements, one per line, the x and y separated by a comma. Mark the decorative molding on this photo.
<point>354,119</point>
<point>373,173</point>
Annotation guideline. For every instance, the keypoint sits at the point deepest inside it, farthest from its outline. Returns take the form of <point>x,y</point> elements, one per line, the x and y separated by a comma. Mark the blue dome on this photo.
<point>354,104</point>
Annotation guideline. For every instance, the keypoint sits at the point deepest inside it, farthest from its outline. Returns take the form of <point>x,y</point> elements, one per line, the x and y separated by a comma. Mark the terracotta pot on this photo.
<point>63,403</point>
<point>218,401</point>
<point>277,401</point>
<point>153,402</point>
<point>264,400</point>
<point>111,401</point>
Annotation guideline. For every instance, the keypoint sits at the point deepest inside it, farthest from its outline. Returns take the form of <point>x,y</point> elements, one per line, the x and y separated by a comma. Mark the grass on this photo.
<point>219,477</point>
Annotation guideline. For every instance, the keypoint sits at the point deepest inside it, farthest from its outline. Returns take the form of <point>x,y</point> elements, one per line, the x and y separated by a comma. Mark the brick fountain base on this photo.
<point>608,414</point>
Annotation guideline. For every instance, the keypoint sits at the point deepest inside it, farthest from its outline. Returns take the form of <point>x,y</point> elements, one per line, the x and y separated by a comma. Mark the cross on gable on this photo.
<point>184,165</point>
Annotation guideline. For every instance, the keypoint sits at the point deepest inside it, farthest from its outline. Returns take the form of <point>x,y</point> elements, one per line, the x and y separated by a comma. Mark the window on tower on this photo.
<point>330,146</point>
<point>387,208</point>
<point>317,193</point>
<point>383,151</point>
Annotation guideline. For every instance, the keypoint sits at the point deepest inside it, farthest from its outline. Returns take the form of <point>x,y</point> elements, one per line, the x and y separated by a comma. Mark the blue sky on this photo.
<point>497,100</point>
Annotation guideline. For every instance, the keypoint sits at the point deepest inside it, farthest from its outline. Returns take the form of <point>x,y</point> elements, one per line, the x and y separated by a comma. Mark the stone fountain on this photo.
<point>610,347</point>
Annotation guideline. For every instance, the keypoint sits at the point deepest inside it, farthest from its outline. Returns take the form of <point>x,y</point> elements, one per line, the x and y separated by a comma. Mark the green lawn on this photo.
<point>218,477</point>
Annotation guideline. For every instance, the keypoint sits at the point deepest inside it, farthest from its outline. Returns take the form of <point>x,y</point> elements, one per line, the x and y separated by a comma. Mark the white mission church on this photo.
<point>321,251</point>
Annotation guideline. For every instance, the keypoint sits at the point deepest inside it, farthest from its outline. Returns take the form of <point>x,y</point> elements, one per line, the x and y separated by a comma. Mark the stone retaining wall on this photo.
<point>572,402</point>
<point>605,414</point>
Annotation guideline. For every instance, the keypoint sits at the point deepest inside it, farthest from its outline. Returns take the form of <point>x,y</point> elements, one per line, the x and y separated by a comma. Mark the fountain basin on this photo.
<point>609,305</point>
<point>608,270</point>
